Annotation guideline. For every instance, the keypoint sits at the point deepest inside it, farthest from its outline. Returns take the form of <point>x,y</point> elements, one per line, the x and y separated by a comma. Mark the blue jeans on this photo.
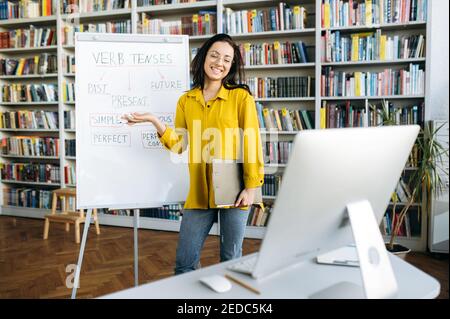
<point>195,226</point>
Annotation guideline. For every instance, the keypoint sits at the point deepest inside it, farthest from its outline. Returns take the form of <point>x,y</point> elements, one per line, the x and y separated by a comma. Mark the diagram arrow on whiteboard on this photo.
<point>129,81</point>
<point>160,74</point>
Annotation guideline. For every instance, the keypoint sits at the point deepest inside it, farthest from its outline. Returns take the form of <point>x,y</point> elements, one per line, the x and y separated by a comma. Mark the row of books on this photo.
<point>408,81</point>
<point>70,147</point>
<point>413,159</point>
<point>69,120</point>
<point>143,3</point>
<point>171,212</point>
<point>30,146</point>
<point>274,53</point>
<point>68,63</point>
<point>38,119</point>
<point>276,152</point>
<point>292,86</point>
<point>114,212</point>
<point>339,13</point>
<point>283,119</point>
<point>279,18</point>
<point>402,192</point>
<point>68,92</point>
<point>27,172</point>
<point>338,115</point>
<point>271,185</point>
<point>82,6</point>
<point>26,197</point>
<point>334,115</point>
<point>258,216</point>
<point>202,23</point>
<point>410,227</point>
<point>31,37</point>
<point>29,93</point>
<point>370,46</point>
<point>69,175</point>
<point>38,64</point>
<point>26,9</point>
<point>68,31</point>
<point>400,115</point>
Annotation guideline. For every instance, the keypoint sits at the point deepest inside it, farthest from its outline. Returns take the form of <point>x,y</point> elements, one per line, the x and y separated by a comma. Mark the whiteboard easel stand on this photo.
<point>81,253</point>
<point>136,243</point>
<point>83,245</point>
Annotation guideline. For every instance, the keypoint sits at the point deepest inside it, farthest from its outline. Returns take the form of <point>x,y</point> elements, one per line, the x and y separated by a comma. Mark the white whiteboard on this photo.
<point>121,166</point>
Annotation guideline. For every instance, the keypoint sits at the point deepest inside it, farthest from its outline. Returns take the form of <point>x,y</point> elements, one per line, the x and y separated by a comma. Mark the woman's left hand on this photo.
<point>246,197</point>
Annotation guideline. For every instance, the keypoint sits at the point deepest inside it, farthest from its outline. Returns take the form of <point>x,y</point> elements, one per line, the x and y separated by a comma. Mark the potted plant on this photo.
<point>425,180</point>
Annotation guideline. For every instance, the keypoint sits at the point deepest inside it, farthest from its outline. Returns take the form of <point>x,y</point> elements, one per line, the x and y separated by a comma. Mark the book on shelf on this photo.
<point>70,147</point>
<point>276,152</point>
<point>27,197</point>
<point>17,93</point>
<point>30,146</point>
<point>26,9</point>
<point>23,119</point>
<point>202,23</point>
<point>272,183</point>
<point>69,120</point>
<point>279,18</point>
<point>31,37</point>
<point>143,3</point>
<point>370,46</point>
<point>38,64</point>
<point>68,92</point>
<point>119,26</point>
<point>69,175</point>
<point>338,115</point>
<point>274,53</point>
<point>30,172</point>
<point>279,87</point>
<point>405,114</point>
<point>170,212</point>
<point>338,13</point>
<point>259,216</point>
<point>406,81</point>
<point>283,119</point>
<point>68,64</point>
<point>410,227</point>
<point>86,6</point>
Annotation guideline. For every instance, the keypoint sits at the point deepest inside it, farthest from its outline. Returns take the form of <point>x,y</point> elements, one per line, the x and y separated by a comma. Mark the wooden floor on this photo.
<point>31,267</point>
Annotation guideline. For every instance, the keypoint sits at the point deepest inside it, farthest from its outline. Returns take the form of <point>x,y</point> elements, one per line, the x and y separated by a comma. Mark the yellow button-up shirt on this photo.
<point>225,127</point>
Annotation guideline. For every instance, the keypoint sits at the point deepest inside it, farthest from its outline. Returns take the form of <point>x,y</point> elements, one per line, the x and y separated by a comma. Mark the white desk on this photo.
<point>298,282</point>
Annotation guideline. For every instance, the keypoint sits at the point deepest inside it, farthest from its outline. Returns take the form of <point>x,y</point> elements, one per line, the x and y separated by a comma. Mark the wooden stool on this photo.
<point>66,216</point>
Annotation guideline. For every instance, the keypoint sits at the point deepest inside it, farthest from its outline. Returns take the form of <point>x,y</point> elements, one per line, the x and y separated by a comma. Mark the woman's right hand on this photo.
<point>136,117</point>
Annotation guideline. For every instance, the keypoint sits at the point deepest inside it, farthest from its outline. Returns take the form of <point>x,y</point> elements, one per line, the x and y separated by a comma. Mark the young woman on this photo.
<point>207,119</point>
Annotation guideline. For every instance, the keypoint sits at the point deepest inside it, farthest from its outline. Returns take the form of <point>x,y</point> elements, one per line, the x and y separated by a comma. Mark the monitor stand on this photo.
<point>377,275</point>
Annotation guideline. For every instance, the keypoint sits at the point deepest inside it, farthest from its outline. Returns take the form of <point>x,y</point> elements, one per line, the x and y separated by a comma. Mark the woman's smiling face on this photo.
<point>219,60</point>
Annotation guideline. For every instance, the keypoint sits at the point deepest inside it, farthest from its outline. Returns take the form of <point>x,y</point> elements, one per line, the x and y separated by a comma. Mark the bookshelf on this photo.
<point>340,40</point>
<point>135,17</point>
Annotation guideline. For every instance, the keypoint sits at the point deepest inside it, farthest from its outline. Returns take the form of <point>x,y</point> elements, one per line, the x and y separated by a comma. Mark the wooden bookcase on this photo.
<point>311,35</point>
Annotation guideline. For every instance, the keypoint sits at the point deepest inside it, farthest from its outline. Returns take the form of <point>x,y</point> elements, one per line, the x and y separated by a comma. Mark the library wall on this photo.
<point>347,60</point>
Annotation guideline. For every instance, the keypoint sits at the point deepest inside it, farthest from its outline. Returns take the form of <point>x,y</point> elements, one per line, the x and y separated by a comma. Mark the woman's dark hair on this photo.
<point>234,78</point>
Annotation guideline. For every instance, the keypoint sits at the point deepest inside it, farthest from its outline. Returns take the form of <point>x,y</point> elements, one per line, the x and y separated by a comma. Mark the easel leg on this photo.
<point>80,256</point>
<point>136,243</point>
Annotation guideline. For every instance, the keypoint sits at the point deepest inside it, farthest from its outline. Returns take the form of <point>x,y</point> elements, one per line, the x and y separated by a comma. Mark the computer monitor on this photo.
<point>330,172</point>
